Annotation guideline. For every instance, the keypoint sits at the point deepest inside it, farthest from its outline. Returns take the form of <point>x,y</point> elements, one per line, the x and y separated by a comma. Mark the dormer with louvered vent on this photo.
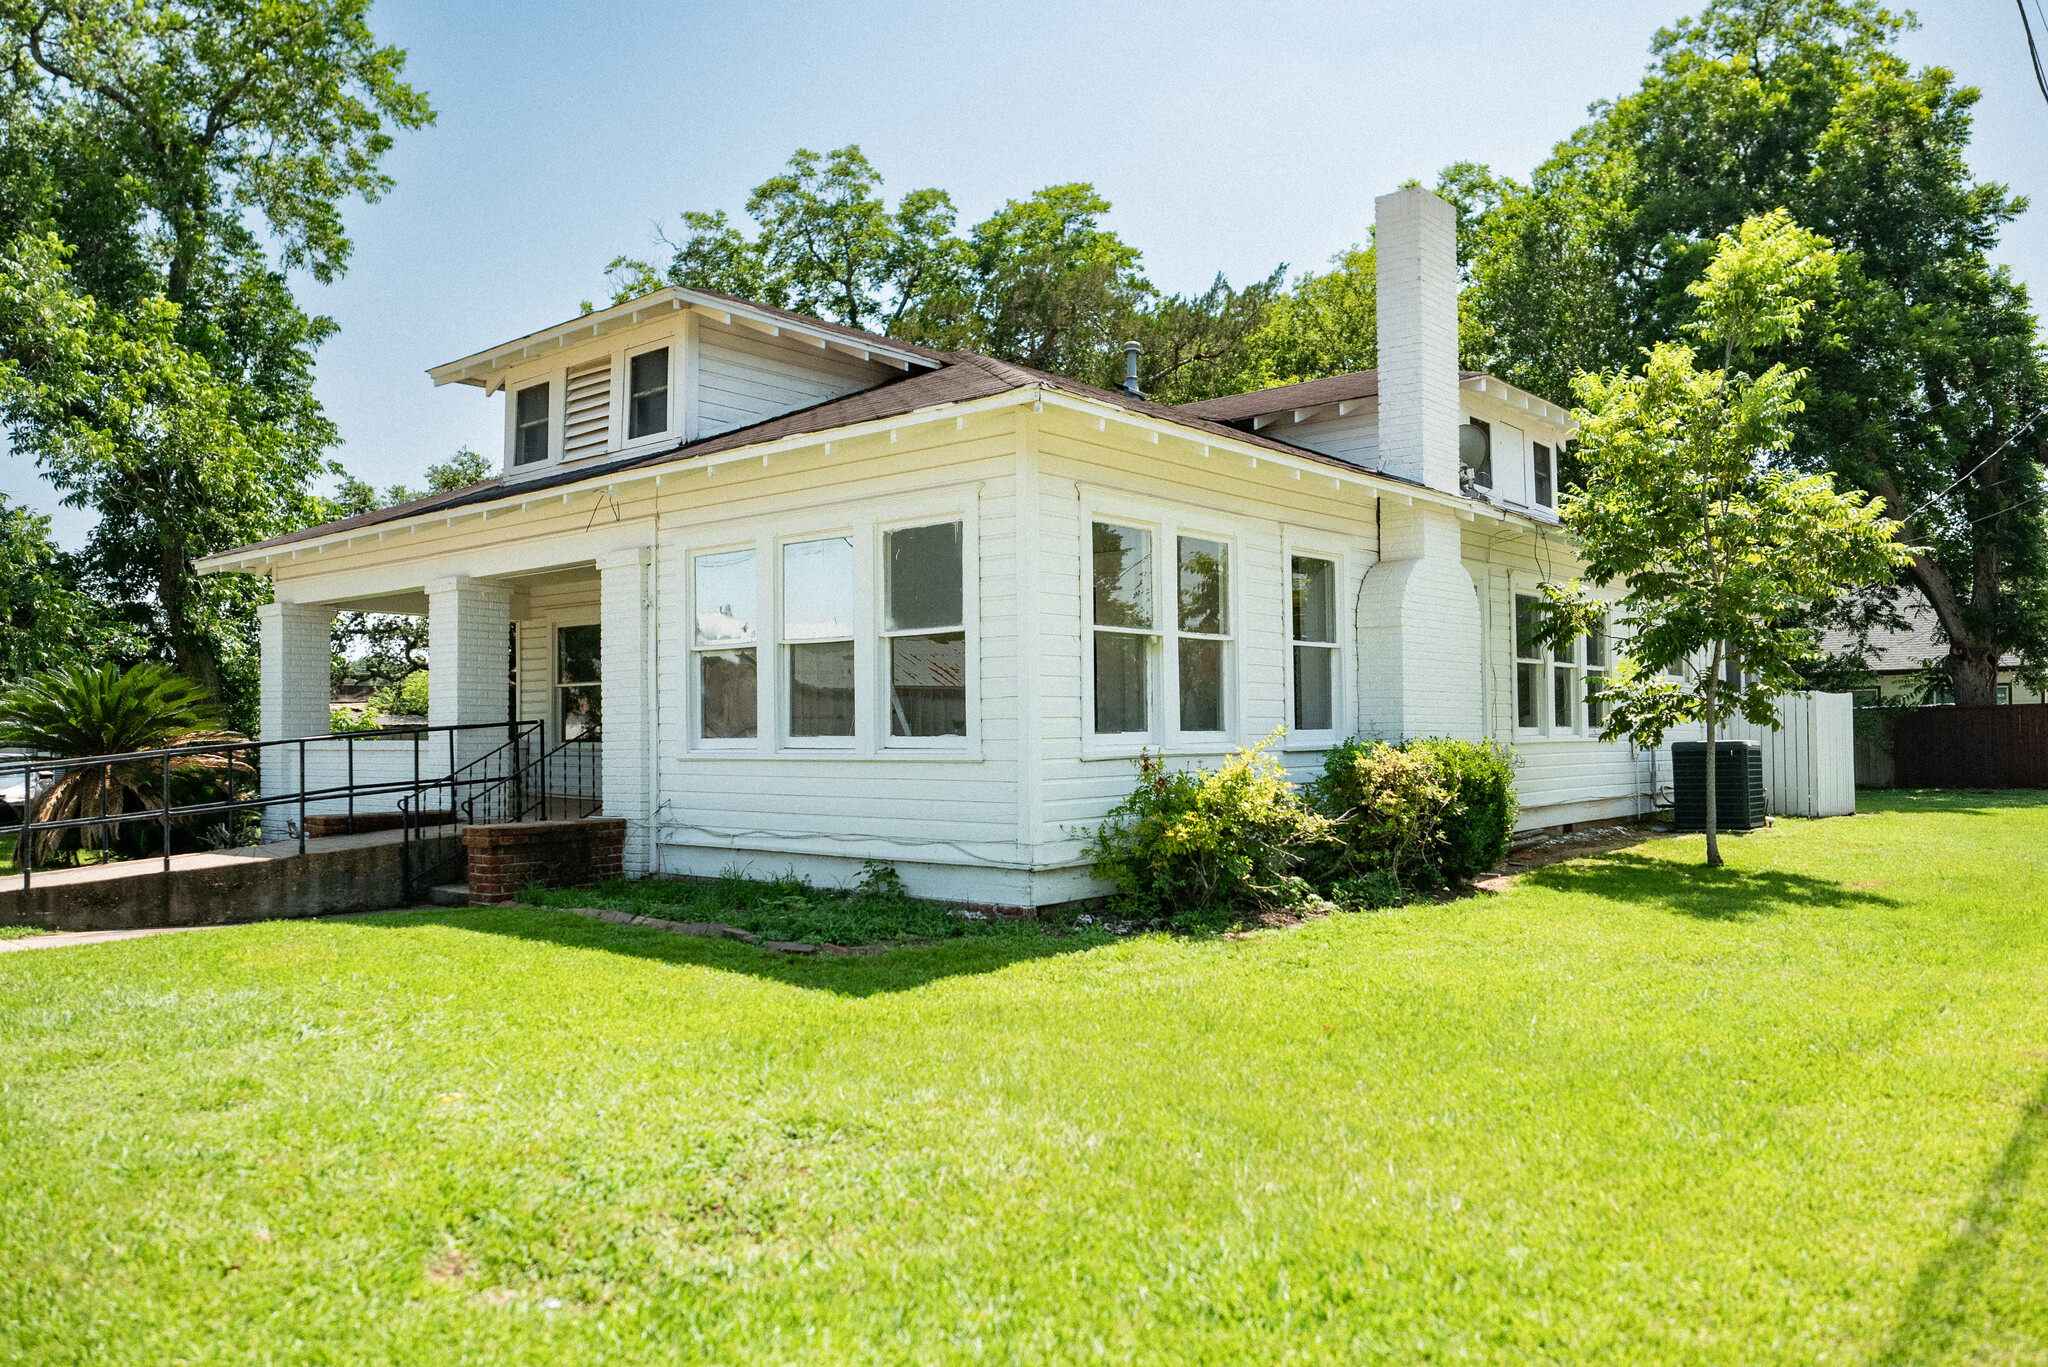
<point>669,368</point>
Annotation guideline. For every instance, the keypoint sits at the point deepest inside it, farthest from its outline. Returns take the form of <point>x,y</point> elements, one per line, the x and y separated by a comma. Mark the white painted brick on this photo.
<point>1416,250</point>
<point>296,684</point>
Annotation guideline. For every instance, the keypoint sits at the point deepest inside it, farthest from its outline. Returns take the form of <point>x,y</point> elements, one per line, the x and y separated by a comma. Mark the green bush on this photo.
<point>406,698</point>
<point>1198,849</point>
<point>1428,811</point>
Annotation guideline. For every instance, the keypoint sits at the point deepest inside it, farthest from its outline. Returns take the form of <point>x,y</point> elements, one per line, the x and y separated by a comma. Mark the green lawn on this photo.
<point>1629,1112</point>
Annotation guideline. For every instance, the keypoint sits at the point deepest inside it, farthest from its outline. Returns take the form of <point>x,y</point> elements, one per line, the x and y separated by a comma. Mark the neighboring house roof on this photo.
<point>1256,403</point>
<point>962,376</point>
<point>1897,652</point>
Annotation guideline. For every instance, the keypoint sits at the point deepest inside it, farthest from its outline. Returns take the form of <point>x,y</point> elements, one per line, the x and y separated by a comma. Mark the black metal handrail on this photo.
<point>510,785</point>
<point>39,774</point>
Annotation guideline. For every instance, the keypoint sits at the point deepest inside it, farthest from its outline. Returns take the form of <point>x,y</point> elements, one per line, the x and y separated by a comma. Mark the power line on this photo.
<point>2040,78</point>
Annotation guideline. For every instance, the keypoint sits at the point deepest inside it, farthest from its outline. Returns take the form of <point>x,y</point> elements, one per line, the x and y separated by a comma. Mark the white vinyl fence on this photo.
<point>1809,761</point>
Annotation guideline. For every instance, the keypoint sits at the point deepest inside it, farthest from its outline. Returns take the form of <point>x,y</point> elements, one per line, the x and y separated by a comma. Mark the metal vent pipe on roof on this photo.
<point>1131,371</point>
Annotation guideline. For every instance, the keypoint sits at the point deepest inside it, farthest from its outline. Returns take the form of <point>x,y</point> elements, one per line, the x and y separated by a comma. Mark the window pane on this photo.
<point>1543,473</point>
<point>928,685</point>
<point>530,440</point>
<point>924,578</point>
<point>1315,600</point>
<point>650,394</point>
<point>1314,688</point>
<point>1201,685</point>
<point>1596,648</point>
<point>1123,577</point>
<point>1527,619</point>
<point>1120,683</point>
<point>817,590</point>
<point>1528,695</point>
<point>1561,694</point>
<point>730,700</point>
<point>821,690</point>
<point>1596,705</point>
<point>579,654</point>
<point>582,712</point>
<point>725,597</point>
<point>1202,587</point>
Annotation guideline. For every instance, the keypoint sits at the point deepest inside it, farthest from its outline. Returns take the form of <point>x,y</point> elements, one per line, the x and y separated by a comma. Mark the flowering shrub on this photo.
<point>1197,849</point>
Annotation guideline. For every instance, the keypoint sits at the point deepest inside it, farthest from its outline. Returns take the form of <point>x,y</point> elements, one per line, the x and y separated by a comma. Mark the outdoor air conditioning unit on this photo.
<point>1739,798</point>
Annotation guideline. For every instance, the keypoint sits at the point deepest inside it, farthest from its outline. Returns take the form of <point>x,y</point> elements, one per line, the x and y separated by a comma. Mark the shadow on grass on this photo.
<point>1723,894</point>
<point>1943,1297</point>
<point>854,975</point>
<point>1948,801</point>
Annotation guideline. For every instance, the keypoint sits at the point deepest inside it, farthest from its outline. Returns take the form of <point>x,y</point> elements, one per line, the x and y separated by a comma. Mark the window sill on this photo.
<point>1170,751</point>
<point>895,754</point>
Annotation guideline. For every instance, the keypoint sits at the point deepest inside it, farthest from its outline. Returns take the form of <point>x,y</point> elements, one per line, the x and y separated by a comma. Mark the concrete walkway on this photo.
<point>59,939</point>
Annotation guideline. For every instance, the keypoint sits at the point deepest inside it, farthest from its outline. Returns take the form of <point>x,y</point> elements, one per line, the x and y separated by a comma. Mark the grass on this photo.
<point>1630,1111</point>
<point>875,912</point>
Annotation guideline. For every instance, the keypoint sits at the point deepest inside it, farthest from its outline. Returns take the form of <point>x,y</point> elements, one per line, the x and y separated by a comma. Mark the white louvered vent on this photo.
<point>586,419</point>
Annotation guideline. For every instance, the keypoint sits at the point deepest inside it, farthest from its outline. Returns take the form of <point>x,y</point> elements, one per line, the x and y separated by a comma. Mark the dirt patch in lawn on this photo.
<point>1555,849</point>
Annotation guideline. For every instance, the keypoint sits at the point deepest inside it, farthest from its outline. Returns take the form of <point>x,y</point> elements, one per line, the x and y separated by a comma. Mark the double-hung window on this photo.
<point>530,424</point>
<point>1202,643</point>
<point>924,630</point>
<point>1528,663</point>
<point>579,688</point>
<point>1546,475</point>
<point>647,401</point>
<point>726,646</point>
<point>817,635</point>
<point>1598,650</point>
<point>1565,688</point>
<point>1124,628</point>
<point>1314,631</point>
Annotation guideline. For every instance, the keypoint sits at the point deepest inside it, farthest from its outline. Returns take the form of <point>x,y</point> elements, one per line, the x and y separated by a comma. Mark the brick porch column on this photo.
<point>469,623</point>
<point>626,605</point>
<point>296,683</point>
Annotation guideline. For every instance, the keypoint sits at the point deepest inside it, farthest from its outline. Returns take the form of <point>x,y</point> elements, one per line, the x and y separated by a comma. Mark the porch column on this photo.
<point>1419,636</point>
<point>469,624</point>
<point>626,605</point>
<point>296,684</point>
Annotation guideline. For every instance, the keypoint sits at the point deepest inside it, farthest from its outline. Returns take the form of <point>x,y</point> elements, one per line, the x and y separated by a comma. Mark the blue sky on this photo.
<point>1229,137</point>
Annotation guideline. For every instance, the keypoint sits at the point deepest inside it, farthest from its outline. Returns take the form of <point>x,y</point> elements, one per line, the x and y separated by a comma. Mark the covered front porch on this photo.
<point>563,647</point>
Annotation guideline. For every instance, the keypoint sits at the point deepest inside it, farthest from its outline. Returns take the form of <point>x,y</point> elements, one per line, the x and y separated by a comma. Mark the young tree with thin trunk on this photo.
<point>1717,549</point>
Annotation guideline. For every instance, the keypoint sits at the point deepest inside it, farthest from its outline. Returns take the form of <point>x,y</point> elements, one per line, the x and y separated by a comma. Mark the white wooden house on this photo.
<point>832,597</point>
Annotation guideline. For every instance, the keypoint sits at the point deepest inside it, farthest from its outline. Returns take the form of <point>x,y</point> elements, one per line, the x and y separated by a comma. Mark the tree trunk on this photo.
<point>1973,659</point>
<point>1713,765</point>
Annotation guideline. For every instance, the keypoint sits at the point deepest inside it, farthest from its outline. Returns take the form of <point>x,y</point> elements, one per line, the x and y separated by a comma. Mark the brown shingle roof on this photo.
<point>962,377</point>
<point>1235,408</point>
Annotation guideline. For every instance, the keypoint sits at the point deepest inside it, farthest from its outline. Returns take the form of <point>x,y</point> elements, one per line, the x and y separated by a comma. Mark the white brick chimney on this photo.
<point>1417,255</point>
<point>1419,634</point>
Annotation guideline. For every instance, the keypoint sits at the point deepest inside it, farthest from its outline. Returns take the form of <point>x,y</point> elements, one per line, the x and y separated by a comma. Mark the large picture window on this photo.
<point>530,425</point>
<point>728,683</point>
<point>1121,575</point>
<point>1313,626</point>
<point>579,686</point>
<point>1204,631</point>
<point>924,630</point>
<point>817,634</point>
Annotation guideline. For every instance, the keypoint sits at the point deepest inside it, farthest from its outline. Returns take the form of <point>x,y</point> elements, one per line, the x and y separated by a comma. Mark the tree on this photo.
<point>1717,549</point>
<point>188,152</point>
<point>1926,384</point>
<point>1325,324</point>
<point>45,620</point>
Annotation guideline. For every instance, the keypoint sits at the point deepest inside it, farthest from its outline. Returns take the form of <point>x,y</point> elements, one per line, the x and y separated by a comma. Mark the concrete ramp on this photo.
<point>363,872</point>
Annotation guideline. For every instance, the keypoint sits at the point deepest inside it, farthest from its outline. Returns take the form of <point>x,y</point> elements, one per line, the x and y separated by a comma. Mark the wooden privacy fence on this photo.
<point>1972,747</point>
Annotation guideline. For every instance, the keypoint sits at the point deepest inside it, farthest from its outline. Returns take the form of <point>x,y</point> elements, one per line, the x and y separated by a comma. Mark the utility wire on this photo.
<point>2040,78</point>
<point>2025,425</point>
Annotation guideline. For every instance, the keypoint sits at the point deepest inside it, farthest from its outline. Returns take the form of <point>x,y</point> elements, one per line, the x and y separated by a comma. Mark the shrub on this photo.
<point>1427,811</point>
<point>1480,823</point>
<point>1198,849</point>
<point>406,698</point>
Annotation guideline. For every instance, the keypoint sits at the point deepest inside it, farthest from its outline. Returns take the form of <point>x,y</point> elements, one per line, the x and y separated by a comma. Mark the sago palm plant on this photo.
<point>81,712</point>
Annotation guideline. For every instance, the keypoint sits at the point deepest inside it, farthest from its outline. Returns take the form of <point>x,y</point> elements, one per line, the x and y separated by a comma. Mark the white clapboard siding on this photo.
<point>744,377</point>
<point>587,410</point>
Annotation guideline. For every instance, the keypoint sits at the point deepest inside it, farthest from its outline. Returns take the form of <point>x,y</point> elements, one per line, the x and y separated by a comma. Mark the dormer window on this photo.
<point>647,406</point>
<point>1475,452</point>
<point>530,431</point>
<point>1545,495</point>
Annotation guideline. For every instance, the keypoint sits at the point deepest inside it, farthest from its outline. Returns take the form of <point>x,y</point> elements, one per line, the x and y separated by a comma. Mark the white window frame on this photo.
<point>970,626</point>
<point>589,617</point>
<point>759,643</point>
<point>1310,549</point>
<point>1546,727</point>
<point>556,383</point>
<point>1588,671</point>
<point>1166,526</point>
<point>622,395</point>
<point>859,632</point>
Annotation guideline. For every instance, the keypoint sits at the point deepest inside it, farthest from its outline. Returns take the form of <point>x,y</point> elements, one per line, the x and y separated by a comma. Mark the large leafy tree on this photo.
<point>1924,382</point>
<point>46,620</point>
<point>1041,281</point>
<point>186,153</point>
<point>1719,554</point>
